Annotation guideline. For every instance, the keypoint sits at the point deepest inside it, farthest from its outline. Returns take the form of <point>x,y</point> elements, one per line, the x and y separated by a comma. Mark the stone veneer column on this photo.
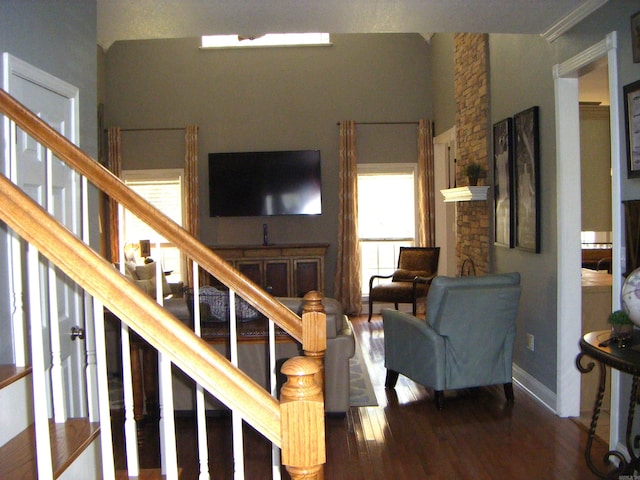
<point>471,81</point>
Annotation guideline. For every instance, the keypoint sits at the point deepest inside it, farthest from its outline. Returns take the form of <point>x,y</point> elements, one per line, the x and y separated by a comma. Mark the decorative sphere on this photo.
<point>630,296</point>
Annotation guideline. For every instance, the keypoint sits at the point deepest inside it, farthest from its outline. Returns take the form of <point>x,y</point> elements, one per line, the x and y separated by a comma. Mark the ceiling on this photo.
<point>149,19</point>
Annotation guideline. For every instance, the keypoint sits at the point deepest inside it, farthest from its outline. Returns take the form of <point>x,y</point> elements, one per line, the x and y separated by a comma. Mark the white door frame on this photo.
<point>444,148</point>
<point>569,311</point>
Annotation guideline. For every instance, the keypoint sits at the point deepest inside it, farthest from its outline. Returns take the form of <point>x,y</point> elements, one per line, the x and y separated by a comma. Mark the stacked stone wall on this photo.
<point>471,78</point>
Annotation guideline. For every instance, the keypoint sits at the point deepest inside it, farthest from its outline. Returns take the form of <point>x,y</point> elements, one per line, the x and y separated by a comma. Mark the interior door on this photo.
<point>58,189</point>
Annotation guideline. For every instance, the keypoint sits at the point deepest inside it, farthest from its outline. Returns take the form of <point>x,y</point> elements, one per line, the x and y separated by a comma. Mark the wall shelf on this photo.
<point>465,194</point>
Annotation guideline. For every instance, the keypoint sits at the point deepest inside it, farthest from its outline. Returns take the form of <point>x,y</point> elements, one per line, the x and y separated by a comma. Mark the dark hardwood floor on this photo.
<point>477,435</point>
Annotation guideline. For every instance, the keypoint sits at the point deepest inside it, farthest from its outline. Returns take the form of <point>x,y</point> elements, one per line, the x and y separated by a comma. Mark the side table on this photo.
<point>625,357</point>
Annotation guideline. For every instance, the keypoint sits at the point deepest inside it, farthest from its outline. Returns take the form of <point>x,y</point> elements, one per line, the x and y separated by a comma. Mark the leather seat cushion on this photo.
<point>400,292</point>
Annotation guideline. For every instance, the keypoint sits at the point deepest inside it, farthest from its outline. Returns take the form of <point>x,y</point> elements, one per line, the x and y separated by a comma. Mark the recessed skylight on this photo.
<point>268,40</point>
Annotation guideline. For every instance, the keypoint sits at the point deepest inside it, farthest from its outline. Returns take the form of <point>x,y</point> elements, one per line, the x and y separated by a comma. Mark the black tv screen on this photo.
<point>245,184</point>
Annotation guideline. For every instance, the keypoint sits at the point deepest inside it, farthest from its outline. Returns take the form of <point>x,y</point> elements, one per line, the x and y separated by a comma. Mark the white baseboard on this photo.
<point>535,388</point>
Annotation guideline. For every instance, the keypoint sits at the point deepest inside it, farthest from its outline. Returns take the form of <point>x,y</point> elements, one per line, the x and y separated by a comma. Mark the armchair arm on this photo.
<point>421,280</point>
<point>425,280</point>
<point>413,348</point>
<point>373,277</point>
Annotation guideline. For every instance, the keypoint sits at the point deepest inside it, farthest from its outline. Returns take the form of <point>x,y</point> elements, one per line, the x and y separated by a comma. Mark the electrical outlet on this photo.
<point>531,342</point>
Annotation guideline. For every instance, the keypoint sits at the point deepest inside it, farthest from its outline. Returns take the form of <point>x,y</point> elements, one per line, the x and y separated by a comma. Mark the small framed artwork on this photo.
<point>632,124</point>
<point>635,37</point>
<point>527,179</point>
<point>503,182</point>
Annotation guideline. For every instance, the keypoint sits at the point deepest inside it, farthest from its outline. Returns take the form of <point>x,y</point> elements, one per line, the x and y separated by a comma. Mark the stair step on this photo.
<point>145,474</point>
<point>11,373</point>
<point>68,441</point>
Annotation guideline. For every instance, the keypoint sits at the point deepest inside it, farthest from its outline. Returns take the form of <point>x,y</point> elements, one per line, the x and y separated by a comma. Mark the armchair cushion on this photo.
<point>402,275</point>
<point>400,292</point>
<point>144,276</point>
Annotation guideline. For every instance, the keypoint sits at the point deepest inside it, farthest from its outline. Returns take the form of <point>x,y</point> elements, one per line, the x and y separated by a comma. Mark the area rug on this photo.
<point>361,392</point>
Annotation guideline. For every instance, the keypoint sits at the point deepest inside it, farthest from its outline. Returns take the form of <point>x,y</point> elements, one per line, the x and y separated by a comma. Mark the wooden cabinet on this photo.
<point>282,270</point>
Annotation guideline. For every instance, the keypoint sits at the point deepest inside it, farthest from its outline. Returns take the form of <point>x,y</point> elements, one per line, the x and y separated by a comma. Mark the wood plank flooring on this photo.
<point>68,441</point>
<point>477,435</point>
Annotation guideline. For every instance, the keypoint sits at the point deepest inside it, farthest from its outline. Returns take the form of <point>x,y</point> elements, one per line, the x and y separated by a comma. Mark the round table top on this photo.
<point>621,356</point>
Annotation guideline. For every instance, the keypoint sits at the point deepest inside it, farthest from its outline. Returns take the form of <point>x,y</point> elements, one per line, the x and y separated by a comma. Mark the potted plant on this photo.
<point>473,171</point>
<point>621,324</point>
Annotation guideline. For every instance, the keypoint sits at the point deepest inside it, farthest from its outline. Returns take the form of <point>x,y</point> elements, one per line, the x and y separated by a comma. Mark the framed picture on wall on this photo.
<point>635,37</point>
<point>503,182</point>
<point>632,123</point>
<point>527,179</point>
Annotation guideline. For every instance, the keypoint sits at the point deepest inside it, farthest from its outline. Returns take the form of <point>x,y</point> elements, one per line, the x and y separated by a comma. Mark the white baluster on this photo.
<point>273,382</point>
<point>201,419</point>
<point>15,267</point>
<point>236,420</point>
<point>102,381</point>
<point>93,401</point>
<point>17,296</point>
<point>40,395</point>
<point>167,428</point>
<point>57,377</point>
<point>130,431</point>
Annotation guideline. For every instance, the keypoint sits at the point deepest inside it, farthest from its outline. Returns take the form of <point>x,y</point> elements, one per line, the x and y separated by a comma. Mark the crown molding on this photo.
<point>571,66</point>
<point>572,18</point>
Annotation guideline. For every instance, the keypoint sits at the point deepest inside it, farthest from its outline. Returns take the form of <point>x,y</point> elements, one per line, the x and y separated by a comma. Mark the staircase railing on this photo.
<point>299,415</point>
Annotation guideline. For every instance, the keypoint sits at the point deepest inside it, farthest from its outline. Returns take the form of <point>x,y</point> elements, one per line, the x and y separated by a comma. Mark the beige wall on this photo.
<point>595,168</point>
<point>269,99</point>
<point>442,68</point>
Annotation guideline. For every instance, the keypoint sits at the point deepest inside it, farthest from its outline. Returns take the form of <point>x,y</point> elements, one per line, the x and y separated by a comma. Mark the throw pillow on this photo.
<point>148,272</point>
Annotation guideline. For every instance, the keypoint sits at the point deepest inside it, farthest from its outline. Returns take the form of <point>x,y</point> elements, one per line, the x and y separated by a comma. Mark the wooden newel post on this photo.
<point>314,332</point>
<point>302,420</point>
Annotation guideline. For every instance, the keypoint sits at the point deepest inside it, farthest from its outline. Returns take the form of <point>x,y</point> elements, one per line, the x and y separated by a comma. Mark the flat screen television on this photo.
<point>245,184</point>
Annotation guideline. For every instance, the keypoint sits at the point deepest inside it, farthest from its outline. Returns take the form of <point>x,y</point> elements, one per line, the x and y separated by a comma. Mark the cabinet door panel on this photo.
<point>306,276</point>
<point>277,278</point>
<point>251,270</point>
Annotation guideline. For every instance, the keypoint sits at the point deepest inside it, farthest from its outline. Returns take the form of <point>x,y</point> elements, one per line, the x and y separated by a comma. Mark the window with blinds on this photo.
<point>386,216</point>
<point>164,190</point>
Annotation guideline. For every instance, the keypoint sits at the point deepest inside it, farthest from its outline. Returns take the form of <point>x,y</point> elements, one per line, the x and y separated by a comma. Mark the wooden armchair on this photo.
<point>417,266</point>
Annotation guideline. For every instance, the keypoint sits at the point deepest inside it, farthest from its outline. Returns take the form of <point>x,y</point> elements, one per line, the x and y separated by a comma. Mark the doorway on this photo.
<point>444,151</point>
<point>569,308</point>
<point>595,166</point>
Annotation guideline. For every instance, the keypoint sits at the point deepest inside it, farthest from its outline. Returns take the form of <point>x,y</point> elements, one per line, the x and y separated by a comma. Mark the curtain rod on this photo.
<point>384,123</point>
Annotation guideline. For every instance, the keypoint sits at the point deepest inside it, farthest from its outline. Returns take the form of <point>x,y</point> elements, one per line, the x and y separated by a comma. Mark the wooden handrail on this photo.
<point>102,178</point>
<point>161,329</point>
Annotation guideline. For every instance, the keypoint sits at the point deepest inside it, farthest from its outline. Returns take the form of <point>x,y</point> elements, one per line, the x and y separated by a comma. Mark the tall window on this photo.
<point>164,190</point>
<point>386,216</point>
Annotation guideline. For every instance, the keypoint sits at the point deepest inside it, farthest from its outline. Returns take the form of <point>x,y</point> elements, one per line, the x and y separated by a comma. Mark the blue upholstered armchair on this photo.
<point>466,340</point>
